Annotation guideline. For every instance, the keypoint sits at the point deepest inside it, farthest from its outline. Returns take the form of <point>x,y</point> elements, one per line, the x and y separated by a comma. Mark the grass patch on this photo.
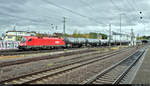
<point>50,64</point>
<point>10,57</point>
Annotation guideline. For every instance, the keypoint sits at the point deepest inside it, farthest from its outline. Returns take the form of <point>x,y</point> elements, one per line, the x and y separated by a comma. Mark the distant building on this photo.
<point>17,35</point>
<point>100,37</point>
<point>116,36</point>
<point>57,34</point>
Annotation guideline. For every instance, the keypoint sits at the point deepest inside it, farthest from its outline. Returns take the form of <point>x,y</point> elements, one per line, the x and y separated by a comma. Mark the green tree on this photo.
<point>18,38</point>
<point>75,34</point>
<point>104,36</point>
<point>93,35</point>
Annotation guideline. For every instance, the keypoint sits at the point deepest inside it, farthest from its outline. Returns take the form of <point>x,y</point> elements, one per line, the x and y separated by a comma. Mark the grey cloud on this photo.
<point>40,14</point>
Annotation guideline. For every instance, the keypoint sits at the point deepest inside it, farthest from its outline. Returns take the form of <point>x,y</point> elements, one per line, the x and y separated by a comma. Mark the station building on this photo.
<point>17,35</point>
<point>117,36</point>
<point>124,37</point>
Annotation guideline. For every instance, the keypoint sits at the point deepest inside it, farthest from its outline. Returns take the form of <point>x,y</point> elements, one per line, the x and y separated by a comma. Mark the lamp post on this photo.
<point>52,28</point>
<point>120,28</point>
<point>64,27</point>
<point>110,35</point>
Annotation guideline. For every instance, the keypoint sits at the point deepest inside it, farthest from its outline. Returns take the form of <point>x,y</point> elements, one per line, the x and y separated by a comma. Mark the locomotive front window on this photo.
<point>29,40</point>
<point>23,40</point>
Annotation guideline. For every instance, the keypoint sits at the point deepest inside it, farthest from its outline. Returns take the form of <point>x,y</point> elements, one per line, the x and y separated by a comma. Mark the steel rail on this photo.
<point>33,59</point>
<point>94,78</point>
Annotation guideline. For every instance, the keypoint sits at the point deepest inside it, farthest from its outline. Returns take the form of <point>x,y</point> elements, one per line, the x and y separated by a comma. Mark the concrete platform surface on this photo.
<point>143,74</point>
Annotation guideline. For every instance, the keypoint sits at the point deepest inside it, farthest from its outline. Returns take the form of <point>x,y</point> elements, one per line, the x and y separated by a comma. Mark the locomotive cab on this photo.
<point>36,43</point>
<point>23,43</point>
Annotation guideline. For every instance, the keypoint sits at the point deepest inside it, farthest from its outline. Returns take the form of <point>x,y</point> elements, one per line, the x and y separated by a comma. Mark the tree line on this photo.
<point>143,38</point>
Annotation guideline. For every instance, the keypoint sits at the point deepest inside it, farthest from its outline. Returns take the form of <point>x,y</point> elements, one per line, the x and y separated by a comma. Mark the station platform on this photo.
<point>143,74</point>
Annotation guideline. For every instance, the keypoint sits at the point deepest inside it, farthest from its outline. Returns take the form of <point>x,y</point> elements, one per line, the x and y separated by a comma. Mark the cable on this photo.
<point>88,5</point>
<point>115,5</point>
<point>135,3</point>
<point>89,18</point>
<point>118,8</point>
<point>30,19</point>
<point>132,7</point>
<point>91,7</point>
<point>121,10</point>
<point>141,16</point>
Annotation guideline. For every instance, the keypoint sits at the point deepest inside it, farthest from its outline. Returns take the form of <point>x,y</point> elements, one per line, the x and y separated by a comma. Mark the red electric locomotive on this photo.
<point>30,42</point>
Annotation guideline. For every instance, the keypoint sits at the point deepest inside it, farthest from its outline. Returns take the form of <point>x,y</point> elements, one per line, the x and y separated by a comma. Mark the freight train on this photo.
<point>31,42</point>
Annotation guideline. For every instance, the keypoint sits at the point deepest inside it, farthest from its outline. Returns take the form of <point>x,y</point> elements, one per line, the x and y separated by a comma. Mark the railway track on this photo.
<point>19,52</point>
<point>27,60</point>
<point>115,73</point>
<point>35,76</point>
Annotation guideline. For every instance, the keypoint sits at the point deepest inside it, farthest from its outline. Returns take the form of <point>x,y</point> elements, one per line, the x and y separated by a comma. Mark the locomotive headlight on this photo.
<point>25,44</point>
<point>22,44</point>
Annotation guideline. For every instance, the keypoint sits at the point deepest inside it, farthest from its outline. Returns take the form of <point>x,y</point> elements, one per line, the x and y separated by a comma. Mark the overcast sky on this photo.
<point>81,15</point>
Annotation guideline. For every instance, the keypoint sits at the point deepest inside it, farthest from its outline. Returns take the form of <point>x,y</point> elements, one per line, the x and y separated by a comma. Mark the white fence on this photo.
<point>4,45</point>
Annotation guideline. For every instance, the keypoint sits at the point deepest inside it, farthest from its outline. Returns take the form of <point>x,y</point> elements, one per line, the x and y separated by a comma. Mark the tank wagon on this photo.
<point>79,42</point>
<point>104,42</point>
<point>75,42</point>
<point>94,42</point>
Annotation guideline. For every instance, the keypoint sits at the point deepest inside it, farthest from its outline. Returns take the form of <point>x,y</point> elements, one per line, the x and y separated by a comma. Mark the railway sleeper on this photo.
<point>122,66</point>
<point>46,73</point>
<point>29,78</point>
<point>110,76</point>
<point>15,82</point>
<point>113,77</point>
<point>96,82</point>
<point>114,74</point>
<point>44,80</point>
<point>43,74</point>
<point>38,82</point>
<point>26,80</point>
<point>117,69</point>
<point>102,79</point>
<point>40,74</point>
<point>102,82</point>
<point>35,76</point>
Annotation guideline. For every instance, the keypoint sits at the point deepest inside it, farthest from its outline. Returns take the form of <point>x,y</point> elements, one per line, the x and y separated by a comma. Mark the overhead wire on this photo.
<point>86,3</point>
<point>90,6</point>
<point>119,9</point>
<point>115,5</point>
<point>74,12</point>
<point>135,4</point>
<point>140,15</point>
<point>133,7</point>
